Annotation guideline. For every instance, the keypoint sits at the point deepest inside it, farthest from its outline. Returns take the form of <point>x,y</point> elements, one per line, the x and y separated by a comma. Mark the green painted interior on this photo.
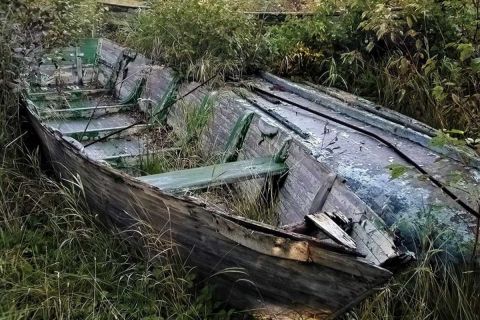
<point>86,47</point>
<point>237,136</point>
<point>89,48</point>
<point>160,111</point>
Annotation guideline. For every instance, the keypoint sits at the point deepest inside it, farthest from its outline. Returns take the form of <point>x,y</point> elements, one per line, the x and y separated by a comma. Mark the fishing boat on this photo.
<point>314,162</point>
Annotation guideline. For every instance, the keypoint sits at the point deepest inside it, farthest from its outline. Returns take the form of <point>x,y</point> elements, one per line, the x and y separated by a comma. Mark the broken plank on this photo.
<point>327,225</point>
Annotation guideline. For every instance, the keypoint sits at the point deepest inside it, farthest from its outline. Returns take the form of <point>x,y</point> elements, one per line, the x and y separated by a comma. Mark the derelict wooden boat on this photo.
<point>104,110</point>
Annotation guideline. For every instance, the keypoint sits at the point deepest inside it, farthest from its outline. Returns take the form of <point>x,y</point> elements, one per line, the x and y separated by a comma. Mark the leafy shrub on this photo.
<point>418,57</point>
<point>61,21</point>
<point>198,38</point>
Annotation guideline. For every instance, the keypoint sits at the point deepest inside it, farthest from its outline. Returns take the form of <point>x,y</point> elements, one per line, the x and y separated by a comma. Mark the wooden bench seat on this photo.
<point>215,175</point>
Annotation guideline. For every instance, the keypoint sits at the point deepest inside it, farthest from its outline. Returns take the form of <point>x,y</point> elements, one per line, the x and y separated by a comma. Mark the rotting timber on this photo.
<point>329,184</point>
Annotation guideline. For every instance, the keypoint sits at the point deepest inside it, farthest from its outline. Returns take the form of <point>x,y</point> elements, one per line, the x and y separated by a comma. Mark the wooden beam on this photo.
<point>215,175</point>
<point>126,160</point>
<point>77,113</point>
<point>92,134</point>
<point>327,225</point>
<point>67,94</point>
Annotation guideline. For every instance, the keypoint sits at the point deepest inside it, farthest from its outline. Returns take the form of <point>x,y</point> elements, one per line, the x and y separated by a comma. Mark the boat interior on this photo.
<point>226,147</point>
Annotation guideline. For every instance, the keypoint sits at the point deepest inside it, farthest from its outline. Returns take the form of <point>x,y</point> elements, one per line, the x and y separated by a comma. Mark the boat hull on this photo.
<point>243,260</point>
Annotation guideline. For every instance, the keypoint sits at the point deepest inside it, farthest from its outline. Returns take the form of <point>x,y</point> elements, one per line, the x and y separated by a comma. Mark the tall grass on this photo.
<point>198,38</point>
<point>430,289</point>
<point>58,262</point>
<point>253,202</point>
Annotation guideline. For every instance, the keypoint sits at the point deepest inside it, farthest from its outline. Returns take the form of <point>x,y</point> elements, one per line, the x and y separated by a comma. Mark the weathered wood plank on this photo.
<point>327,225</point>
<point>129,160</point>
<point>78,113</point>
<point>92,134</point>
<point>66,94</point>
<point>106,122</point>
<point>218,174</point>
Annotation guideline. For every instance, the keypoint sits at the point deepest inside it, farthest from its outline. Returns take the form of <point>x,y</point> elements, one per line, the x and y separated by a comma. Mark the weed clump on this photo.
<point>198,38</point>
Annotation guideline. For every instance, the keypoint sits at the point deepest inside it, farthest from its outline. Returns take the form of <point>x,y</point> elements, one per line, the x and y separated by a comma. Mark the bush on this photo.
<point>60,21</point>
<point>198,38</point>
<point>418,57</point>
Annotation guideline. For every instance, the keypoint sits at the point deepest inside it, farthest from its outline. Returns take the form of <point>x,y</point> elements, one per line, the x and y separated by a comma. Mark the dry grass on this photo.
<point>426,291</point>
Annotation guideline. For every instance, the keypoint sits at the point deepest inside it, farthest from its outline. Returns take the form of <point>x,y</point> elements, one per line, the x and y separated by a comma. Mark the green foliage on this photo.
<point>196,119</point>
<point>444,138</point>
<point>198,38</point>
<point>62,21</point>
<point>408,55</point>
